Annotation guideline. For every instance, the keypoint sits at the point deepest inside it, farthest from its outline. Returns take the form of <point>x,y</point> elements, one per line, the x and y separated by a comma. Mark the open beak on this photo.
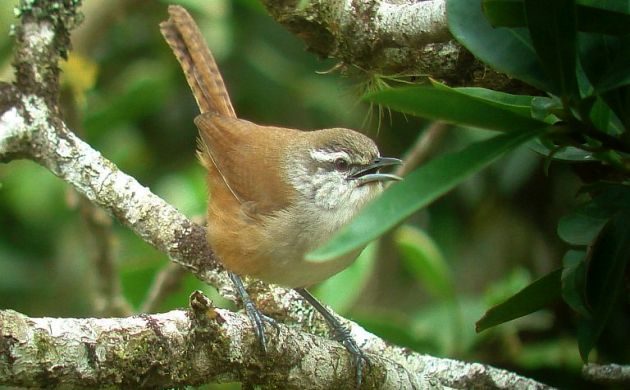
<point>370,173</point>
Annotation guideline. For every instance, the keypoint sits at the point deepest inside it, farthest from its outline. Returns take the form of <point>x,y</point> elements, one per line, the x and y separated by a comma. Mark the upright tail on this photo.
<point>201,71</point>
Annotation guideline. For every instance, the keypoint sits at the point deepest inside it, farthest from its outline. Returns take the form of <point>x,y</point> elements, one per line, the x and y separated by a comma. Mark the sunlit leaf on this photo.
<point>450,105</point>
<point>519,104</point>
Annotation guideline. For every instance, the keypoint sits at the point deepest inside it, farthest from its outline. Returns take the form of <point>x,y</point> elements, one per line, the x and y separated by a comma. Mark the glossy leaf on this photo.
<point>567,153</point>
<point>539,294</point>
<point>580,228</point>
<point>420,188</point>
<point>605,278</point>
<point>519,104</point>
<point>450,105</point>
<point>553,33</point>
<point>507,50</point>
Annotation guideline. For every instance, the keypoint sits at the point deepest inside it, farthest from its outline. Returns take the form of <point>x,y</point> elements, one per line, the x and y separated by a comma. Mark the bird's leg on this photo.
<point>341,334</point>
<point>257,318</point>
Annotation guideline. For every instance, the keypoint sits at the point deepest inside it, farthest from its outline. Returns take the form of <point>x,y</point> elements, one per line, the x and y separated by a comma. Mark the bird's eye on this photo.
<point>341,164</point>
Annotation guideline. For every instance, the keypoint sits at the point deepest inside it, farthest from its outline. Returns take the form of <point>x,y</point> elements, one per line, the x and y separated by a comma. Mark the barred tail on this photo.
<point>201,71</point>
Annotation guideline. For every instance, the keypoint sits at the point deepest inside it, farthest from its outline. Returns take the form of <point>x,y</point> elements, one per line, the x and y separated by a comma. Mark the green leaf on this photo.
<point>585,222</point>
<point>519,104</point>
<point>553,33</point>
<point>580,228</point>
<point>420,188</point>
<point>450,105</point>
<point>605,278</point>
<point>567,153</point>
<point>539,294</point>
<point>546,109</point>
<point>507,50</point>
<point>574,281</point>
<point>421,256</point>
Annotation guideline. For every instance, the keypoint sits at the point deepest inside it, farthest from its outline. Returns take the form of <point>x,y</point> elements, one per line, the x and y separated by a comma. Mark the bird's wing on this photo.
<point>249,158</point>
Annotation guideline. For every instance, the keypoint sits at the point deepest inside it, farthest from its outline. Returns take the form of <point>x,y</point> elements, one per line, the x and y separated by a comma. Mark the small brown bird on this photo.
<point>276,193</point>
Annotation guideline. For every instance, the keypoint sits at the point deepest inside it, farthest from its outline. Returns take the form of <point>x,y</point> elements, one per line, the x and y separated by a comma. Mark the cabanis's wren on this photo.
<point>276,193</point>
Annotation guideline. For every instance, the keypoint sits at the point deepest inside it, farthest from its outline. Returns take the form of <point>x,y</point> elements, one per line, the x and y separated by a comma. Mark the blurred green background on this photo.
<point>423,286</point>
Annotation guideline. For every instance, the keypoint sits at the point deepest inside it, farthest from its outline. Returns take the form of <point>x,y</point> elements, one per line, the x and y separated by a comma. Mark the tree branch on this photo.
<point>386,37</point>
<point>608,374</point>
<point>207,344</point>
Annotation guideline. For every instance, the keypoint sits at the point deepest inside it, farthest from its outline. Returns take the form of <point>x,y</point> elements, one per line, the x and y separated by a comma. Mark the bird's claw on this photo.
<point>360,360</point>
<point>258,321</point>
<point>256,318</point>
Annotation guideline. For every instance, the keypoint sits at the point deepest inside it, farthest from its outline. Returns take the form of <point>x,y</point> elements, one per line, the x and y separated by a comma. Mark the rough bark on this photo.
<point>385,37</point>
<point>206,344</point>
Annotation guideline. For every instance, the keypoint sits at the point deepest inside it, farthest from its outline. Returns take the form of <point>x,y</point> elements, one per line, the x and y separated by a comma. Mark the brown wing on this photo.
<point>201,71</point>
<point>249,158</point>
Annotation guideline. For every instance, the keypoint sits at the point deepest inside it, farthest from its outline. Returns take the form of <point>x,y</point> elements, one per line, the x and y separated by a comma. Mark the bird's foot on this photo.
<point>256,317</point>
<point>341,334</point>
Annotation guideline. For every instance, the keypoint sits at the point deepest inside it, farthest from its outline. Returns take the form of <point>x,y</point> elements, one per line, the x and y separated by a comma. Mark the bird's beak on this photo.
<point>370,173</point>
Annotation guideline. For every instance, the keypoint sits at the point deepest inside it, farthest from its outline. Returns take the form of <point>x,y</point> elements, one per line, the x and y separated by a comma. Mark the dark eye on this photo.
<point>341,164</point>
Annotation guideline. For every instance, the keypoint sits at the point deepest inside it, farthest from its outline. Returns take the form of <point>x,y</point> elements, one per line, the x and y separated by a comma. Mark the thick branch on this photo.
<point>388,37</point>
<point>209,345</point>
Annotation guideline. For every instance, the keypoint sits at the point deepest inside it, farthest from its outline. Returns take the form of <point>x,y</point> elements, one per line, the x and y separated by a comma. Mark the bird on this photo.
<point>276,193</point>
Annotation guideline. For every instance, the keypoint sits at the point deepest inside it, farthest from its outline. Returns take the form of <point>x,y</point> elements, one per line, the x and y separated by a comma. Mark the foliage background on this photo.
<point>423,287</point>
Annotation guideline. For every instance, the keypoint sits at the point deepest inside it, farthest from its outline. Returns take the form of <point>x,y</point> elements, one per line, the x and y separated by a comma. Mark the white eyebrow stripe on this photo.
<point>327,156</point>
